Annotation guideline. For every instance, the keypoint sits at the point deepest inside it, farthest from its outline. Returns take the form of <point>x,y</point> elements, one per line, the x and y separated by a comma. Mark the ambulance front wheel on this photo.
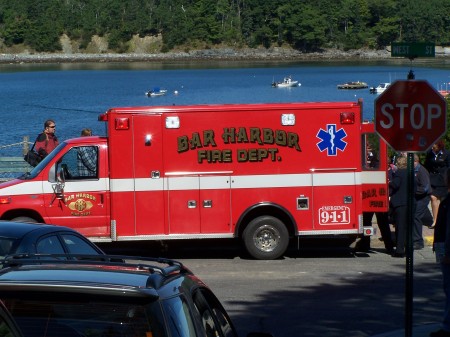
<point>24,219</point>
<point>266,238</point>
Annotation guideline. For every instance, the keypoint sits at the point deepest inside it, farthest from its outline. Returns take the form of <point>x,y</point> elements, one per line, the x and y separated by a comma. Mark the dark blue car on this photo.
<point>20,238</point>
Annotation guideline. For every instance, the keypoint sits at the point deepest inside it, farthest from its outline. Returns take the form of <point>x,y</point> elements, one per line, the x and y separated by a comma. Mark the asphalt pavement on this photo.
<point>417,331</point>
<point>421,330</point>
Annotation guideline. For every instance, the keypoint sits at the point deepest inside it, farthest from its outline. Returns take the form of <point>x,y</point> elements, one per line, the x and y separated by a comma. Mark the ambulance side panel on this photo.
<point>208,171</point>
<point>268,166</point>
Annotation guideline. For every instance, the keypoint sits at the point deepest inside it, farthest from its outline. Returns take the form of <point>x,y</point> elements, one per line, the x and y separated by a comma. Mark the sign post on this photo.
<point>410,116</point>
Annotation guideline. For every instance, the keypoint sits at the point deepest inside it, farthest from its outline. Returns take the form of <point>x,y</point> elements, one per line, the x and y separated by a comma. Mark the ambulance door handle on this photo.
<point>207,203</point>
<point>192,204</point>
<point>155,175</point>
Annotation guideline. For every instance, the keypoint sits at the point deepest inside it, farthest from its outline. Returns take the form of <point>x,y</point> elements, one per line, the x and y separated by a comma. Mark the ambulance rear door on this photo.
<point>148,182</point>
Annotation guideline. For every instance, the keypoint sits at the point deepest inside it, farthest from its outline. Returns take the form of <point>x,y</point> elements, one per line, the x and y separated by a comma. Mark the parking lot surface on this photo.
<point>322,289</point>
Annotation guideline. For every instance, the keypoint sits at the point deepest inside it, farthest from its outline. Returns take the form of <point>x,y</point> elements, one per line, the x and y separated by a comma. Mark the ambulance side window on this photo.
<point>370,151</point>
<point>80,163</point>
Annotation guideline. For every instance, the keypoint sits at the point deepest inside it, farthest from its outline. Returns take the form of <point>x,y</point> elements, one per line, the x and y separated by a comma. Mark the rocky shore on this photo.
<point>273,54</point>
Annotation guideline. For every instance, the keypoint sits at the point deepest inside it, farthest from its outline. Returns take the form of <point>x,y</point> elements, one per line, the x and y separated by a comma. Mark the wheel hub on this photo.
<point>267,238</point>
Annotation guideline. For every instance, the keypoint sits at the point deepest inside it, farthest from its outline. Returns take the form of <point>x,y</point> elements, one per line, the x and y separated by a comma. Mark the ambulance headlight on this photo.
<point>287,119</point>
<point>172,122</point>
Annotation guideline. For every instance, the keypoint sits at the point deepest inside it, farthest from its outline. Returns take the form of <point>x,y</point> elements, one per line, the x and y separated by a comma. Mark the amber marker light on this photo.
<point>5,200</point>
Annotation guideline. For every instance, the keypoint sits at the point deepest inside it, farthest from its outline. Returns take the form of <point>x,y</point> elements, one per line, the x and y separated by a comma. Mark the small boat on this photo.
<point>288,82</point>
<point>380,88</point>
<point>156,92</point>
<point>353,85</point>
<point>444,93</point>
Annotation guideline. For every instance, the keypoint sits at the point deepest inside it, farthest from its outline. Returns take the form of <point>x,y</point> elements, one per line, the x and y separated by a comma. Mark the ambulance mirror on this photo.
<point>61,176</point>
<point>58,188</point>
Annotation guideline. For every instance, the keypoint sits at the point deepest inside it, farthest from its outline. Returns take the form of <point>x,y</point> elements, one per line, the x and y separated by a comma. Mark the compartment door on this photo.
<point>335,201</point>
<point>215,199</point>
<point>184,204</point>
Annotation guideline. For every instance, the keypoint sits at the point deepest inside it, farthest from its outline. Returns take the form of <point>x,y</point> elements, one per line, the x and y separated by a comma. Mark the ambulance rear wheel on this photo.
<point>266,238</point>
<point>24,219</point>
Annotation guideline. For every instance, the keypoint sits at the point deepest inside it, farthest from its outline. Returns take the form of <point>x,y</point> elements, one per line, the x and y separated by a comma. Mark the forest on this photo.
<point>305,25</point>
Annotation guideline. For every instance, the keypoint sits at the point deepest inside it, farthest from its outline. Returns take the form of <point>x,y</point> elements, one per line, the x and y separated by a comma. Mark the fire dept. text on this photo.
<point>242,135</point>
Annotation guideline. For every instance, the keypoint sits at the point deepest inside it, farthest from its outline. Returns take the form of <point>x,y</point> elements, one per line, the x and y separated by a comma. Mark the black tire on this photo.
<point>24,219</point>
<point>266,238</point>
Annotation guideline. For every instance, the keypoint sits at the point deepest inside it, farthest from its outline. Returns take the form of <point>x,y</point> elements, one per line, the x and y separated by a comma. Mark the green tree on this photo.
<point>308,25</point>
<point>422,20</point>
<point>386,31</point>
<point>354,16</point>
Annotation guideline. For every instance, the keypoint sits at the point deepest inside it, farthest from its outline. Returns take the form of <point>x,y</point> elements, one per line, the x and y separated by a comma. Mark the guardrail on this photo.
<point>12,166</point>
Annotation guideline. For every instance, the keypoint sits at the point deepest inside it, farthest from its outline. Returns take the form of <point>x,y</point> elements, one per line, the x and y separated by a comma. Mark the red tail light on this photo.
<point>347,118</point>
<point>122,123</point>
<point>103,118</point>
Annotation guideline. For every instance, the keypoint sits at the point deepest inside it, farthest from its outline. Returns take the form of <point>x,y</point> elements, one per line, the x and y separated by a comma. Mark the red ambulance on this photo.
<point>264,173</point>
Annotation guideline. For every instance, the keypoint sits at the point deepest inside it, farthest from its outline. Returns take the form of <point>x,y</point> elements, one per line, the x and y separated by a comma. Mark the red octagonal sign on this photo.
<point>410,115</point>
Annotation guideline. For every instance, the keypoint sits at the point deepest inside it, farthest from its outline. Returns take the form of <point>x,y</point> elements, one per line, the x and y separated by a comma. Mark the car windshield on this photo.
<point>88,318</point>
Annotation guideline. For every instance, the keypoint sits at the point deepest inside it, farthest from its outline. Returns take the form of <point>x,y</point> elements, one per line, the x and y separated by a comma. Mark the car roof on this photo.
<point>89,271</point>
<point>12,229</point>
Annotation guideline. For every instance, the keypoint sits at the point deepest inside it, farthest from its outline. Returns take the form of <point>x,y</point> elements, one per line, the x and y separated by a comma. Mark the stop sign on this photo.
<point>410,115</point>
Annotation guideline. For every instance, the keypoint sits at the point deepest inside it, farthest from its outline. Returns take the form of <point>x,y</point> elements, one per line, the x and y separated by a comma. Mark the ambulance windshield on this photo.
<point>36,170</point>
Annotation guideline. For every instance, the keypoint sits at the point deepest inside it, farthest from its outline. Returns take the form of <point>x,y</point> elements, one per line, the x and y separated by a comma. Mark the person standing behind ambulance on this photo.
<point>422,197</point>
<point>46,141</point>
<point>437,162</point>
<point>87,158</point>
<point>398,186</point>
<point>441,247</point>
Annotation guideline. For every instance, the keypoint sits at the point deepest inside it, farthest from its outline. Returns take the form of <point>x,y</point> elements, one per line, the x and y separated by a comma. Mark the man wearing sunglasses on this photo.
<point>46,141</point>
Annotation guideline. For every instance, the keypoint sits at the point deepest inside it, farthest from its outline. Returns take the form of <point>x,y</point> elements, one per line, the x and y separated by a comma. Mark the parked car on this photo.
<point>8,327</point>
<point>19,238</point>
<point>139,297</point>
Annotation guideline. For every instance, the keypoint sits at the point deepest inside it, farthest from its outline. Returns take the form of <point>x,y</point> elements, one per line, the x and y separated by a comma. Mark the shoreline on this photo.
<point>223,54</point>
<point>275,54</point>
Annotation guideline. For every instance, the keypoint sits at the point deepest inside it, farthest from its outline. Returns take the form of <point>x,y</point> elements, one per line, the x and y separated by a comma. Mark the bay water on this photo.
<point>75,94</point>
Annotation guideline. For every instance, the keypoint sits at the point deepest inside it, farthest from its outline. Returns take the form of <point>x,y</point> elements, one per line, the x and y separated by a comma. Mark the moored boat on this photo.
<point>380,88</point>
<point>286,83</point>
<point>445,93</point>
<point>353,85</point>
<point>156,92</point>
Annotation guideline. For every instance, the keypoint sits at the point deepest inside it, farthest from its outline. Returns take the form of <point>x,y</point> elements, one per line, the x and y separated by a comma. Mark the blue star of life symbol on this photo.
<point>331,140</point>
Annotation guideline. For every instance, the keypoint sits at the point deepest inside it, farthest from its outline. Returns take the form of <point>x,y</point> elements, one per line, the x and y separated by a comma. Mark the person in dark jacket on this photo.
<point>46,141</point>
<point>441,247</point>
<point>422,198</point>
<point>437,161</point>
<point>398,186</point>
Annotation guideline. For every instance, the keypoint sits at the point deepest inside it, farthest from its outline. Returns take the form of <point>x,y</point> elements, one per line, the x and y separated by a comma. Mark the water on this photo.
<point>75,94</point>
